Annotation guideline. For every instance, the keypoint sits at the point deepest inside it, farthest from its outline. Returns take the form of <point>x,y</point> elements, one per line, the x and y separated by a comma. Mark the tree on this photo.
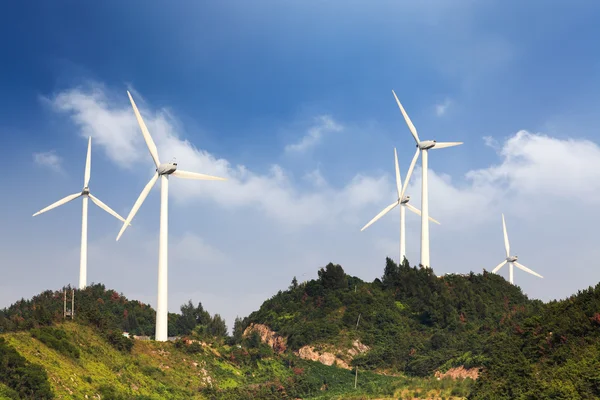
<point>333,277</point>
<point>217,326</point>
<point>391,273</point>
<point>294,284</point>
<point>238,330</point>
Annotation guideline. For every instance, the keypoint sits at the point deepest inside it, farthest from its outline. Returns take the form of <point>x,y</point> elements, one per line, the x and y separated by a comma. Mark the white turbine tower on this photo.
<point>511,260</point>
<point>163,171</point>
<point>403,202</point>
<point>423,147</point>
<point>85,193</point>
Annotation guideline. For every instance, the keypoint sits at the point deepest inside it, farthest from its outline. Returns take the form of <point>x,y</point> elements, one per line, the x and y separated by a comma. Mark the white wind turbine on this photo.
<point>163,171</point>
<point>423,147</point>
<point>511,260</point>
<point>85,193</point>
<point>403,202</point>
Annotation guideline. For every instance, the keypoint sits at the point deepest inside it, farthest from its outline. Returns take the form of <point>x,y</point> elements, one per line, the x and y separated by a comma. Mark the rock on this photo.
<point>326,358</point>
<point>459,373</point>
<point>277,343</point>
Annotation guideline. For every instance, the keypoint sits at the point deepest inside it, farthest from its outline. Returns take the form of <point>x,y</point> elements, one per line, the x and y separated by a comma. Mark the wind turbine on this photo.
<point>163,171</point>
<point>423,147</point>
<point>403,202</point>
<point>511,260</point>
<point>85,193</point>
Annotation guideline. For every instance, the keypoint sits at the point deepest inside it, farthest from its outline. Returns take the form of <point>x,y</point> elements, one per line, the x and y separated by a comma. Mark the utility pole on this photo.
<point>356,375</point>
<point>71,312</point>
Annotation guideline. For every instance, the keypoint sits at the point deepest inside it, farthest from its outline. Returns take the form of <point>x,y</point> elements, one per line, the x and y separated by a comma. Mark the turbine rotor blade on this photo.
<point>398,178</point>
<point>147,137</point>
<point>409,173</point>
<point>381,214</point>
<point>524,268</point>
<point>88,164</point>
<point>412,128</point>
<point>443,145</point>
<point>138,204</point>
<point>105,207</point>
<point>418,212</point>
<point>58,203</point>
<point>499,266</point>
<point>194,175</point>
<point>506,244</point>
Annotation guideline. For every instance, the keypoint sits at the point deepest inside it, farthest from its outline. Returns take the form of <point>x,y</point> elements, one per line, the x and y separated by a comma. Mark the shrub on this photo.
<point>119,342</point>
<point>56,339</point>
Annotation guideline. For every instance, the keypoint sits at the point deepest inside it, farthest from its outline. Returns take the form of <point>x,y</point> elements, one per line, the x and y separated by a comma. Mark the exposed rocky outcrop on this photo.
<point>328,358</point>
<point>277,343</point>
<point>459,373</point>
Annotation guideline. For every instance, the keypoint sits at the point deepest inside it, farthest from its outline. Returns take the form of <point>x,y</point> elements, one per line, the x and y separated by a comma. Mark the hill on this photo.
<point>42,356</point>
<point>408,334</point>
<point>418,324</point>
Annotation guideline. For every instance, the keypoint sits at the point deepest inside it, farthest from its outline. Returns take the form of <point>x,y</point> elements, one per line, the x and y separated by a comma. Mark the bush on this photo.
<point>56,339</point>
<point>119,342</point>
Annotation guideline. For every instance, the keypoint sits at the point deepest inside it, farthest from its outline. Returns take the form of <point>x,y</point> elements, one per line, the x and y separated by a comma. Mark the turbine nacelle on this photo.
<point>85,191</point>
<point>405,200</point>
<point>166,168</point>
<point>512,258</point>
<point>426,144</point>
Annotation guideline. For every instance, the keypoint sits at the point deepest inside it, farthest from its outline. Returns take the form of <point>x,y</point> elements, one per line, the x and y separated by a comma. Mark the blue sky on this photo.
<point>240,81</point>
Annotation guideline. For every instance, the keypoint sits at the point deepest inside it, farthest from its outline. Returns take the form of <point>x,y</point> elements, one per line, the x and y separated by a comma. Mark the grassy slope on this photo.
<point>161,371</point>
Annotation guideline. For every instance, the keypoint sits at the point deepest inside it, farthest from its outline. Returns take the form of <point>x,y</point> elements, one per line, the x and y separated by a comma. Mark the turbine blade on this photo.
<point>412,128</point>
<point>499,266</point>
<point>147,137</point>
<point>194,175</point>
<point>398,178</point>
<point>443,145</point>
<point>105,207</point>
<point>381,214</point>
<point>409,173</point>
<point>524,268</point>
<point>138,204</point>
<point>506,244</point>
<point>58,203</point>
<point>88,164</point>
<point>418,212</point>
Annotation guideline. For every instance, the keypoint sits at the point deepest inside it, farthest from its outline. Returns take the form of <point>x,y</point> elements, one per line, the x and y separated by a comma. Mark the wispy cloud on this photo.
<point>274,192</point>
<point>442,108</point>
<point>324,124</point>
<point>48,159</point>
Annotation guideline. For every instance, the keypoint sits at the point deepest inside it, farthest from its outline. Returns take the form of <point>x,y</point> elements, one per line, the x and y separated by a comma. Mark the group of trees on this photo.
<point>417,323</point>
<point>110,312</point>
<point>198,321</point>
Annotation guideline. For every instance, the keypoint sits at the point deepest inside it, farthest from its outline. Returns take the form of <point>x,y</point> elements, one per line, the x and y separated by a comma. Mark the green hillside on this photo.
<point>408,334</point>
<point>417,324</point>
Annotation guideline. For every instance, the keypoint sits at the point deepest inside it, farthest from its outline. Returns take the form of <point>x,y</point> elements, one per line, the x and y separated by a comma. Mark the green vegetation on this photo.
<point>56,339</point>
<point>417,327</point>
<point>20,377</point>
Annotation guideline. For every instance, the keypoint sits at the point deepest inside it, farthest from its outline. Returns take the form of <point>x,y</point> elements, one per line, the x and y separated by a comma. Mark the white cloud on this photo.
<point>324,124</point>
<point>274,192</point>
<point>548,188</point>
<point>48,159</point>
<point>440,109</point>
<point>315,178</point>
